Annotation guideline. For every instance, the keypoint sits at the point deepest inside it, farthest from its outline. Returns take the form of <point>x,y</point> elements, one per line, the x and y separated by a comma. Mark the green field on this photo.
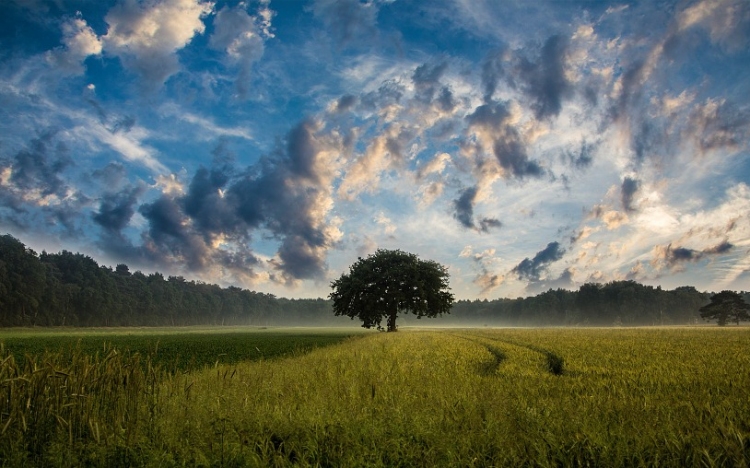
<point>185,348</point>
<point>474,397</point>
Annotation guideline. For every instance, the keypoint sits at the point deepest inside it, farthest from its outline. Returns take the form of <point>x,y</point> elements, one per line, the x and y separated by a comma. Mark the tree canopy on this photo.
<point>726,305</point>
<point>390,282</point>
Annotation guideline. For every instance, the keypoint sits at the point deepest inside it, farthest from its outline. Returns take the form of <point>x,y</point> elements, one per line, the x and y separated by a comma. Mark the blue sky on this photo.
<point>268,144</point>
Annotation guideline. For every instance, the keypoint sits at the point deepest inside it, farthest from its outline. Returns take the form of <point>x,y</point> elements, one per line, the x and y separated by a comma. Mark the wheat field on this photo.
<point>451,397</point>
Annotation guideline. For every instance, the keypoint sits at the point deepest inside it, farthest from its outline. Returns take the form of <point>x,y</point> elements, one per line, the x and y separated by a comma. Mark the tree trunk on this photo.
<point>392,321</point>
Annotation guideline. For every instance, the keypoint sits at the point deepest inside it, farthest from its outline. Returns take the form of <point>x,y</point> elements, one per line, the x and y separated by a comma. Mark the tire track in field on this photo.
<point>555,364</point>
<point>491,367</point>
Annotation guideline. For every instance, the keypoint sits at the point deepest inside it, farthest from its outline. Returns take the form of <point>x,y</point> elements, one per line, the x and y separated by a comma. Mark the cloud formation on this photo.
<point>532,269</point>
<point>147,36</point>
<point>257,143</point>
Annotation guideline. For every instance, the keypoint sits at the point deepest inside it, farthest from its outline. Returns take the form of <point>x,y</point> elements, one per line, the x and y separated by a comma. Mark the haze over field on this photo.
<point>268,144</point>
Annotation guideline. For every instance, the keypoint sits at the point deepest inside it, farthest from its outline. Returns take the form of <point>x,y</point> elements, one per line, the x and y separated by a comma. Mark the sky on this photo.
<point>525,145</point>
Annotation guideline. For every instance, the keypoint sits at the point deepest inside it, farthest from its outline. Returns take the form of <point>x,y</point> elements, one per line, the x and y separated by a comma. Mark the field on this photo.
<point>473,397</point>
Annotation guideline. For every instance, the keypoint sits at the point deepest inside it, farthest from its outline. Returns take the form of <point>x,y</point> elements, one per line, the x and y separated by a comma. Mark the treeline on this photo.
<point>71,289</point>
<point>625,303</point>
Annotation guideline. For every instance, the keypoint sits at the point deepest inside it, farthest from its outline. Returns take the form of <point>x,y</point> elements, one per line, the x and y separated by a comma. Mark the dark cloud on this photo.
<point>511,154</point>
<point>582,158</point>
<point>37,193</point>
<point>345,103</point>
<point>298,260</point>
<point>426,81</point>
<point>531,269</point>
<point>493,70</point>
<point>675,256</point>
<point>721,248</point>
<point>165,219</point>
<point>464,212</point>
<point>464,207</point>
<point>280,194</point>
<point>206,204</point>
<point>116,209</point>
<point>35,168</point>
<point>543,81</point>
<point>446,101</point>
<point>485,224</point>
<point>508,147</point>
<point>628,190</point>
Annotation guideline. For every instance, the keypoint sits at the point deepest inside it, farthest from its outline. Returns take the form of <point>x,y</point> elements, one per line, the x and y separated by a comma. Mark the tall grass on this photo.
<point>668,397</point>
<point>56,404</point>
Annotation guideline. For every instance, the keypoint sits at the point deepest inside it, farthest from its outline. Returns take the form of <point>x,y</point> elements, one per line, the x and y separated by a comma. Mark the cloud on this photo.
<point>117,208</point>
<point>493,70</point>
<point>347,20</point>
<point>674,257</point>
<point>435,165</point>
<point>544,81</point>
<point>583,158</point>
<point>345,103</point>
<point>493,124</point>
<point>628,190</point>
<point>288,196</point>
<point>426,80</point>
<point>388,226</point>
<point>716,124</point>
<point>128,143</point>
<point>79,42</point>
<point>385,151</point>
<point>486,280</point>
<point>532,269</point>
<point>564,281</point>
<point>34,187</point>
<point>727,21</point>
<point>147,36</point>
<point>464,207</point>
<point>464,212</point>
<point>242,36</point>
<point>34,170</point>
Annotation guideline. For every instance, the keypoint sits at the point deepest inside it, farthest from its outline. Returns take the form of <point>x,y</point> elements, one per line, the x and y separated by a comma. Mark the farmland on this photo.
<point>452,397</point>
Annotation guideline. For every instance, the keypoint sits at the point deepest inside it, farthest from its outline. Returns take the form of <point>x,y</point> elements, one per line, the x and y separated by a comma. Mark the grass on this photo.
<point>513,397</point>
<point>181,349</point>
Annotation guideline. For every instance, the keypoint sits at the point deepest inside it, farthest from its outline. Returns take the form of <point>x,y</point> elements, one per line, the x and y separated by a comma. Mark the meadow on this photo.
<point>419,397</point>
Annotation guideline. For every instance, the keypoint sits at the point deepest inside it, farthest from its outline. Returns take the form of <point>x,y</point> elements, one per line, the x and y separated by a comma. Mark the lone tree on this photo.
<point>726,305</point>
<point>388,282</point>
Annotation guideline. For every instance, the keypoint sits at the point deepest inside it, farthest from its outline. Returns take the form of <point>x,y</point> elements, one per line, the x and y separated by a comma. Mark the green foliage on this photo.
<point>726,305</point>
<point>618,303</point>
<point>388,282</point>
<point>67,289</point>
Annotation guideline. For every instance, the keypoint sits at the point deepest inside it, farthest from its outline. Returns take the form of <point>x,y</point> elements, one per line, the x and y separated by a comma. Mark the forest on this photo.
<point>72,289</point>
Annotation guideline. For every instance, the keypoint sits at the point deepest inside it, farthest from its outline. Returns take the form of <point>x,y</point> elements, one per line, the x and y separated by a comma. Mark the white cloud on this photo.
<point>128,144</point>
<point>79,42</point>
<point>146,36</point>
<point>206,125</point>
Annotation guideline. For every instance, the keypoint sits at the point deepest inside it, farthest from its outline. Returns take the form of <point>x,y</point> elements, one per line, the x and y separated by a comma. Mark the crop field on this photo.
<point>452,397</point>
<point>181,349</point>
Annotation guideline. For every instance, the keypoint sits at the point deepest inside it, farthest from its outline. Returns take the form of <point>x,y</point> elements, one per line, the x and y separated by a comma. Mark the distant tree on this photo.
<point>388,282</point>
<point>726,305</point>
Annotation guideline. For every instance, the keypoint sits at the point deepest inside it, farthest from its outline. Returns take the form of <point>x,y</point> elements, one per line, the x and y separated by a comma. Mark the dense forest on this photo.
<point>71,289</point>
